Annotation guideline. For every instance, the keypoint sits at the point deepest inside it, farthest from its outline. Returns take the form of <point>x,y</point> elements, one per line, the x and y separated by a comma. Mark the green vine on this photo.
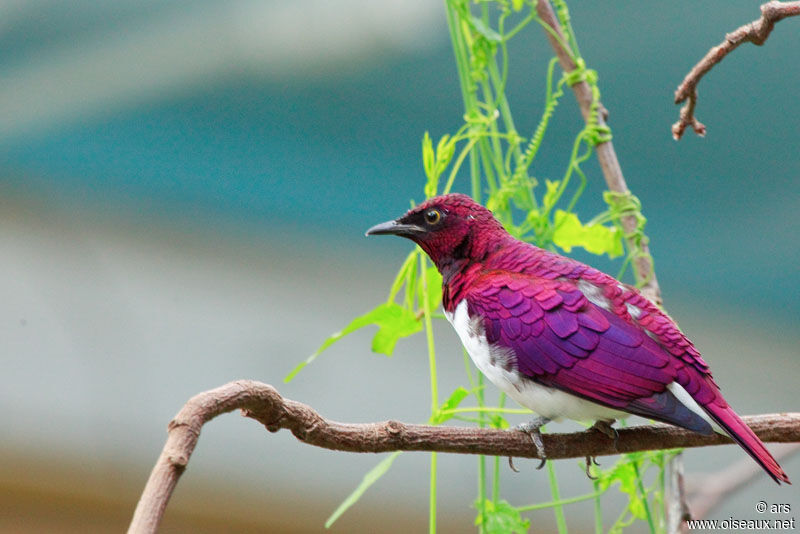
<point>499,162</point>
<point>624,205</point>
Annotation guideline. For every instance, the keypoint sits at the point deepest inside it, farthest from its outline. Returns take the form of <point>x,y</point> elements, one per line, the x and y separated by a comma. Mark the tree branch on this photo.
<point>606,155</point>
<point>263,403</point>
<point>755,32</point>
<point>707,490</point>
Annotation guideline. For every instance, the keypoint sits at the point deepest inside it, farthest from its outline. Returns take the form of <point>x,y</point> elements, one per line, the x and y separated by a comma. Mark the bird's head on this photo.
<point>448,228</point>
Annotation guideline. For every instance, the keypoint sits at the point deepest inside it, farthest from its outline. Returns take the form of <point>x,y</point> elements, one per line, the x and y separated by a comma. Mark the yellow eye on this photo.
<point>432,217</point>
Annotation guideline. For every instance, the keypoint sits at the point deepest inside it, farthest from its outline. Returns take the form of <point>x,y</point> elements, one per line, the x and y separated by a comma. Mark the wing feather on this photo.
<point>563,340</point>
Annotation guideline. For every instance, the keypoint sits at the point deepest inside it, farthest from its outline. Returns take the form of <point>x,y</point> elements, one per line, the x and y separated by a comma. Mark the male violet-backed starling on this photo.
<point>562,338</point>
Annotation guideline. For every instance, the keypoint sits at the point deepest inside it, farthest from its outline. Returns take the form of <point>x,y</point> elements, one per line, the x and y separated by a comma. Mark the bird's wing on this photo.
<point>563,340</point>
<point>620,299</point>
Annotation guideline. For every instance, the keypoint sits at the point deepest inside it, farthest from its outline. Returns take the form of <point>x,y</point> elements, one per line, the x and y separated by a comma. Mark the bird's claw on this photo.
<point>589,461</point>
<point>541,463</point>
<point>511,464</point>
<point>606,428</point>
<point>532,428</point>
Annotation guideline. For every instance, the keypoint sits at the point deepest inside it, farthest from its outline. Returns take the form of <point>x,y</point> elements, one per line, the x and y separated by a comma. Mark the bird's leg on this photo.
<point>532,429</point>
<point>606,428</point>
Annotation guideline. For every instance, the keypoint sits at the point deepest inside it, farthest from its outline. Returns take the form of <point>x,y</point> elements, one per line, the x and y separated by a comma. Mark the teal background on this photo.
<point>256,152</point>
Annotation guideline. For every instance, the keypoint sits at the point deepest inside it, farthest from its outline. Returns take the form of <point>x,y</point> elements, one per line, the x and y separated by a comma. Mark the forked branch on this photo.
<point>755,32</point>
<point>263,403</point>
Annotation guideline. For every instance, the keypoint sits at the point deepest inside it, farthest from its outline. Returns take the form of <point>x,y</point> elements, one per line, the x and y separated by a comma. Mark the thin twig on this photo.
<point>263,403</point>
<point>606,155</point>
<point>707,490</point>
<point>755,32</point>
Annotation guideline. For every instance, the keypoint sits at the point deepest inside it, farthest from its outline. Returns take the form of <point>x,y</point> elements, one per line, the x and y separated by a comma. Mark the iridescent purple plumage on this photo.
<point>538,323</point>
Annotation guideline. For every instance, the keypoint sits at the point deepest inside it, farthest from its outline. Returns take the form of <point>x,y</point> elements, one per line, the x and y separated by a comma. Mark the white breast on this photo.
<point>498,364</point>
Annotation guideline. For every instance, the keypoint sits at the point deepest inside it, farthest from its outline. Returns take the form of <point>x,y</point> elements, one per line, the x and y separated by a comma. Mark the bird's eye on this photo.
<point>432,216</point>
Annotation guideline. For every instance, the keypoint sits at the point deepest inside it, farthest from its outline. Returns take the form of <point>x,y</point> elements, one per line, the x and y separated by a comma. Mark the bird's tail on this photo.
<point>733,425</point>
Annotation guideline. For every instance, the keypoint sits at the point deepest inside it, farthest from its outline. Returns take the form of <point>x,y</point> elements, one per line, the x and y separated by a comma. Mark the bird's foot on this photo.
<point>606,428</point>
<point>589,461</point>
<point>532,429</point>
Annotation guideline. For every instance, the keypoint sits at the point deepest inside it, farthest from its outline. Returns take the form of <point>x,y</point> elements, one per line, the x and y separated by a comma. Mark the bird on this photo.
<point>564,339</point>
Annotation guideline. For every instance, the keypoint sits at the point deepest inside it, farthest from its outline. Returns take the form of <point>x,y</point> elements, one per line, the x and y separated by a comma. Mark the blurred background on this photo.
<point>184,188</point>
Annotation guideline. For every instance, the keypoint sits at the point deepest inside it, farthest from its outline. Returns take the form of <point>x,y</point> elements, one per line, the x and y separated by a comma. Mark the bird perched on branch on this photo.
<point>561,338</point>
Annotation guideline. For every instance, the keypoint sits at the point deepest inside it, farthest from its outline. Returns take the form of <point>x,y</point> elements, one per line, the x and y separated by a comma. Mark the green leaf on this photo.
<point>501,518</point>
<point>428,158</point>
<point>393,321</point>
<point>485,30</point>
<point>369,479</point>
<point>517,4</point>
<point>445,150</point>
<point>450,404</point>
<point>498,421</point>
<point>624,473</point>
<point>436,163</point>
<point>621,470</point>
<point>596,238</point>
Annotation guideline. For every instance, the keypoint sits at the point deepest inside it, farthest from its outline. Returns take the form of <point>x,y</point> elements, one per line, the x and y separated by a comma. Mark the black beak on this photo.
<point>396,228</point>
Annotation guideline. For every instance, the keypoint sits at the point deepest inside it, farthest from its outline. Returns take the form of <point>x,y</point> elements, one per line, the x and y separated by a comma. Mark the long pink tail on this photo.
<point>746,438</point>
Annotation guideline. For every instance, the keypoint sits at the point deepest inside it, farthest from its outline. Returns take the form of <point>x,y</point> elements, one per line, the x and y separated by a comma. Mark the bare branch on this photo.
<point>707,490</point>
<point>263,403</point>
<point>755,32</point>
<point>606,156</point>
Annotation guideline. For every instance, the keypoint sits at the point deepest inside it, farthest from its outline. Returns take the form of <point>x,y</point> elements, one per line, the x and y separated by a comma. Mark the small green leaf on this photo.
<point>596,238</point>
<point>450,404</point>
<point>624,473</point>
<point>621,470</point>
<point>517,4</point>
<point>498,421</point>
<point>444,153</point>
<point>501,518</point>
<point>393,321</point>
<point>369,479</point>
<point>485,30</point>
<point>428,157</point>
<point>436,164</point>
